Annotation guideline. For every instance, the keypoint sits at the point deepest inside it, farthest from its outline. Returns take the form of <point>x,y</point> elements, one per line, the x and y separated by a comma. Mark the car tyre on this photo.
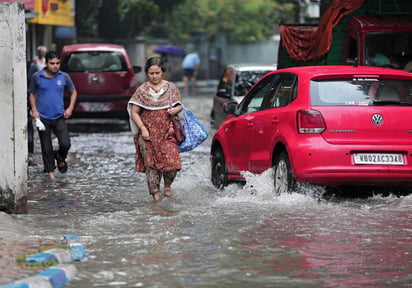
<point>284,181</point>
<point>219,172</point>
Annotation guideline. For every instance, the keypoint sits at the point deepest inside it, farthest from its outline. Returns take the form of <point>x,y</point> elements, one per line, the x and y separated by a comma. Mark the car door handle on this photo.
<point>275,121</point>
<point>249,124</point>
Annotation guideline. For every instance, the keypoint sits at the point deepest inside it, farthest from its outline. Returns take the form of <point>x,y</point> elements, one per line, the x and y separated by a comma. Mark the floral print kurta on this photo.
<point>162,151</point>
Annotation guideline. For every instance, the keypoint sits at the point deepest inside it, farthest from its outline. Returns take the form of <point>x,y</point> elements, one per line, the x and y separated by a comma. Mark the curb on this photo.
<point>56,276</point>
<point>53,277</point>
<point>77,251</point>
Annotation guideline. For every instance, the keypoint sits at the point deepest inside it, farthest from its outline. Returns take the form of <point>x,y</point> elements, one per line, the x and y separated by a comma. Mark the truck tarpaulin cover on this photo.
<point>305,44</point>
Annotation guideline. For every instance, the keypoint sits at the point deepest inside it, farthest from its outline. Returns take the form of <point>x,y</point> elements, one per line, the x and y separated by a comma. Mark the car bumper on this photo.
<point>334,165</point>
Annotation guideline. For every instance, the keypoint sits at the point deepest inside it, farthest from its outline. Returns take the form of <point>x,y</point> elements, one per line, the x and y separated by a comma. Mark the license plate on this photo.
<point>378,158</point>
<point>95,107</point>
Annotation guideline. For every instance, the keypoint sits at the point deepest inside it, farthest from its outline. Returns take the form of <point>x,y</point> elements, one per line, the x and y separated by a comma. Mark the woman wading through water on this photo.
<point>150,109</point>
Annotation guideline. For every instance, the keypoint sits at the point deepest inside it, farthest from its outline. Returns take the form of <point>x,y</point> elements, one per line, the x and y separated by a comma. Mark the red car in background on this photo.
<point>325,125</point>
<point>104,78</point>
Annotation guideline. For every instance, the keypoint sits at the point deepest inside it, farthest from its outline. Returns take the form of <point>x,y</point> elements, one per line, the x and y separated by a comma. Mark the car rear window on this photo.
<point>361,92</point>
<point>94,61</point>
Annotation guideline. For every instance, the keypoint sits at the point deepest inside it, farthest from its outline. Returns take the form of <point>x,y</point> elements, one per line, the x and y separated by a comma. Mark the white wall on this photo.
<point>256,52</point>
<point>13,108</point>
<point>136,49</point>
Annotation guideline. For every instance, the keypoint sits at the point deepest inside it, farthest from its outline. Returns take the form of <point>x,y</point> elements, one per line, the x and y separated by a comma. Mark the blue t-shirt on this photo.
<point>190,61</point>
<point>50,93</point>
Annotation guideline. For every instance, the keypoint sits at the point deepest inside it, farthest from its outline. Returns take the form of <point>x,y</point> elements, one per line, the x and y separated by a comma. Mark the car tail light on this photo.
<point>310,122</point>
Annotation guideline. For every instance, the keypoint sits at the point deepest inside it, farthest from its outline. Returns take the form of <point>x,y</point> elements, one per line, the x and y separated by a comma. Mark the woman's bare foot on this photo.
<point>168,192</point>
<point>156,196</point>
<point>51,175</point>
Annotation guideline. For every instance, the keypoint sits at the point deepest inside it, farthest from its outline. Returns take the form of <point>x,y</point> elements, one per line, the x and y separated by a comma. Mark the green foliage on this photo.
<point>241,20</point>
<point>86,17</point>
<point>136,16</point>
<point>116,18</point>
<point>21,259</point>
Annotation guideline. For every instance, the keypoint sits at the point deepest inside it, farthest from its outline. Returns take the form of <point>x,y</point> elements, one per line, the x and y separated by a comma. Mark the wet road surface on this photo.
<point>243,236</point>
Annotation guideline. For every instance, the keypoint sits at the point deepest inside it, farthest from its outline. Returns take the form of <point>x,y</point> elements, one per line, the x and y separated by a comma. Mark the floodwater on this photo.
<point>244,236</point>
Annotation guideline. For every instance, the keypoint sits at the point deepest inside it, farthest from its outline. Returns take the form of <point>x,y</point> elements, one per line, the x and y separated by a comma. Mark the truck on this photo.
<point>355,32</point>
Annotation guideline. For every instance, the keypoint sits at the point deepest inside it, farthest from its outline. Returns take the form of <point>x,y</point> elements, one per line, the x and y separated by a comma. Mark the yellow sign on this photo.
<point>54,12</point>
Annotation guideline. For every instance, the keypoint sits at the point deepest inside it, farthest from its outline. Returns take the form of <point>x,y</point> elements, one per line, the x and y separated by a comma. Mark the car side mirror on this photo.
<point>223,93</point>
<point>137,69</point>
<point>229,107</point>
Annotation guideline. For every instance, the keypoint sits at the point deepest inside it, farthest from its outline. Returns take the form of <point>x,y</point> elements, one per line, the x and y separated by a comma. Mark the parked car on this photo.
<point>325,125</point>
<point>235,81</point>
<point>104,78</point>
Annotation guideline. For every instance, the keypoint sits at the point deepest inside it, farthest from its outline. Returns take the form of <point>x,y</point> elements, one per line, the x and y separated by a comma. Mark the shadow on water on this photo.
<point>97,125</point>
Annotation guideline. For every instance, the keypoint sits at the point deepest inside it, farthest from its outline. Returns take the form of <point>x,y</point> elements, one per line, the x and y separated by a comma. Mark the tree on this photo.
<point>108,20</point>
<point>122,18</point>
<point>242,20</point>
<point>86,17</point>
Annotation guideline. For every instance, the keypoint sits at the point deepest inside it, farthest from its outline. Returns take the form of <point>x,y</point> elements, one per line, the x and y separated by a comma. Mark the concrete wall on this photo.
<point>256,52</point>
<point>13,108</point>
<point>136,49</point>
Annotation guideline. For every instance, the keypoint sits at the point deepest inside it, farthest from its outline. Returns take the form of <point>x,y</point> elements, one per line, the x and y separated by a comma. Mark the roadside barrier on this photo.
<point>56,276</point>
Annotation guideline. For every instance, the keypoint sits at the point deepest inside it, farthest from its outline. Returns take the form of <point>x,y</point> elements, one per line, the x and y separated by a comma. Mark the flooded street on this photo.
<point>240,237</point>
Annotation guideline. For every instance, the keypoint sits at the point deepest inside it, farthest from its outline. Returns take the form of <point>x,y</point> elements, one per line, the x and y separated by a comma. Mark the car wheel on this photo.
<point>283,178</point>
<point>219,176</point>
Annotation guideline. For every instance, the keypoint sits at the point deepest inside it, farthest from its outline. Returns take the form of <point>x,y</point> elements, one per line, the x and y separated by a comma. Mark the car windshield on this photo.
<point>94,61</point>
<point>361,92</point>
<point>246,79</point>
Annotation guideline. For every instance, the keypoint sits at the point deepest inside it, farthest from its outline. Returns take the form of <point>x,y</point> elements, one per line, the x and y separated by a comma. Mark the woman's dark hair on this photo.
<point>155,61</point>
<point>51,55</point>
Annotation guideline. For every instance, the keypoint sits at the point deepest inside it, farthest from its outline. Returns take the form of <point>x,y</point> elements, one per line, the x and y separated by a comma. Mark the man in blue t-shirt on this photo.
<point>47,103</point>
<point>190,65</point>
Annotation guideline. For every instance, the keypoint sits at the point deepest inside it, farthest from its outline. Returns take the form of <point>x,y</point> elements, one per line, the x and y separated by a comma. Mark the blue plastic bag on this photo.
<point>195,132</point>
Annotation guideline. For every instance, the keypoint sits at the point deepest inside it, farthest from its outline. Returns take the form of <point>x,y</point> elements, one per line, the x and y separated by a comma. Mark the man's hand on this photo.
<point>67,113</point>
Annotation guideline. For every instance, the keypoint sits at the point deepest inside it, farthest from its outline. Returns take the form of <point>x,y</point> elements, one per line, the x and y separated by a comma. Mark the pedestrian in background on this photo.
<point>36,64</point>
<point>31,68</point>
<point>191,66</point>
<point>47,103</point>
<point>40,59</point>
<point>151,108</point>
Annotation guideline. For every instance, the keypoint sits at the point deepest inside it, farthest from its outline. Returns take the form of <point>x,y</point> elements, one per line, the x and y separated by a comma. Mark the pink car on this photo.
<point>325,125</point>
<point>104,78</point>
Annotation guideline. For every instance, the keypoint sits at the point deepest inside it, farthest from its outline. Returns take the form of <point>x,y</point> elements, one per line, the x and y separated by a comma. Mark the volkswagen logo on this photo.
<point>377,119</point>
